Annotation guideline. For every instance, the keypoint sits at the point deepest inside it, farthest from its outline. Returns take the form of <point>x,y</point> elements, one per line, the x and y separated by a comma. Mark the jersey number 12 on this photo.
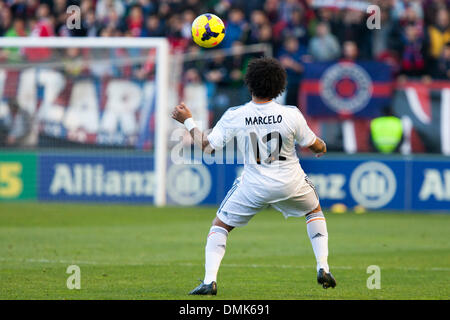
<point>273,156</point>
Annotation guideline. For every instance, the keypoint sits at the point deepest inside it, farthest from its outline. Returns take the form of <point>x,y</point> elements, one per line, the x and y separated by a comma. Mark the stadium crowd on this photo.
<point>414,38</point>
<point>414,35</point>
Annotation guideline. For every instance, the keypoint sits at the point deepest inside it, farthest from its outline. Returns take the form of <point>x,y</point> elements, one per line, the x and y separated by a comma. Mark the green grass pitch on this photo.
<point>142,252</point>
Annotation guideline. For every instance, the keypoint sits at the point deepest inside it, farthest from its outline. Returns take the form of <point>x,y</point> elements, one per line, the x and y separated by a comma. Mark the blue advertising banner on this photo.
<point>374,183</point>
<point>105,178</point>
<point>430,185</point>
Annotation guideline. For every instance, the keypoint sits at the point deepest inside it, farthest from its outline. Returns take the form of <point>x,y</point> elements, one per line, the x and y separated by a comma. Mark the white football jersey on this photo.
<point>266,134</point>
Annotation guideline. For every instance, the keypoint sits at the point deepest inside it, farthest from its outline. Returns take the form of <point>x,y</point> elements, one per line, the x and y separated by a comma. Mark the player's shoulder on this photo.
<point>234,111</point>
<point>232,114</point>
<point>288,106</point>
<point>291,109</point>
<point>284,106</point>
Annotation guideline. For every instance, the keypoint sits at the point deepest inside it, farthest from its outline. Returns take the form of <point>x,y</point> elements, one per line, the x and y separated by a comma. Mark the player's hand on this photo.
<point>319,147</point>
<point>181,113</point>
<point>323,151</point>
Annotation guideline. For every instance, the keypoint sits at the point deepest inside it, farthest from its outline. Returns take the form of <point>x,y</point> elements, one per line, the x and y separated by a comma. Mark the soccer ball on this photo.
<point>208,30</point>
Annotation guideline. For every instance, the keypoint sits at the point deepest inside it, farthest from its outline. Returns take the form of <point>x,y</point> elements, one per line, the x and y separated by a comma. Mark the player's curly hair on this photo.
<point>265,78</point>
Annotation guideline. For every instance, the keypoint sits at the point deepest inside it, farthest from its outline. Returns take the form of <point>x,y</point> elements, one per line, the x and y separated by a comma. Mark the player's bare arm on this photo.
<point>181,113</point>
<point>318,147</point>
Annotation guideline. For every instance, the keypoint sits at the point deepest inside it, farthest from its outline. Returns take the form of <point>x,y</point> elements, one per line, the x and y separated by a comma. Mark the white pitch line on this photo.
<point>281,266</point>
<point>50,261</point>
<point>226,265</point>
<point>440,269</point>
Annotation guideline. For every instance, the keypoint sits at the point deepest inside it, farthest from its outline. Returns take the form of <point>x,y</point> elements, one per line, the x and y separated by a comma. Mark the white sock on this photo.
<point>214,252</point>
<point>317,232</point>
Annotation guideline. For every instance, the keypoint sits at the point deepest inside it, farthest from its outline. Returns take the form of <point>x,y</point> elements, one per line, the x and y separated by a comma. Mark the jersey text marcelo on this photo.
<point>263,120</point>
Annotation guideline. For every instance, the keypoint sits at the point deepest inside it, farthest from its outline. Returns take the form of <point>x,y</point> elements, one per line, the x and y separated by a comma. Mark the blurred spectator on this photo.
<point>188,18</point>
<point>235,28</point>
<point>153,27</point>
<point>412,58</point>
<point>135,21</point>
<point>44,26</point>
<point>146,70</point>
<point>23,8</point>
<point>265,34</point>
<point>61,29</point>
<point>102,66</point>
<point>20,125</point>
<point>296,27</point>
<point>236,64</point>
<point>442,69</point>
<point>5,20</point>
<point>381,37</point>
<point>411,13</point>
<point>290,57</point>
<point>257,20</point>
<point>249,6</point>
<point>73,62</point>
<point>104,7</point>
<point>59,7</point>
<point>90,24</point>
<point>222,7</point>
<point>148,6</point>
<point>193,58</point>
<point>271,9</point>
<point>164,11</point>
<point>4,123</point>
<point>17,30</point>
<point>322,14</point>
<point>350,51</point>
<point>400,8</point>
<point>174,26</point>
<point>352,27</point>
<point>324,46</point>
<point>86,6</point>
<point>113,21</point>
<point>439,33</point>
<point>194,5</point>
<point>286,8</point>
<point>195,95</point>
<point>216,70</point>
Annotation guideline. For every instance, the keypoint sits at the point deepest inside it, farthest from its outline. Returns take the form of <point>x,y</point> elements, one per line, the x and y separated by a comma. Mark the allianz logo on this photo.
<point>92,179</point>
<point>188,184</point>
<point>435,185</point>
<point>373,184</point>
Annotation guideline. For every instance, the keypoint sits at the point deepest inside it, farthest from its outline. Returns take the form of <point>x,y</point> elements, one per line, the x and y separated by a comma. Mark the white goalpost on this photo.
<point>161,85</point>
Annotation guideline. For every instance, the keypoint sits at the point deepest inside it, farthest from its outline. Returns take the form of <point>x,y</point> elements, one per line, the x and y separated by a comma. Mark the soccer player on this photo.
<point>266,133</point>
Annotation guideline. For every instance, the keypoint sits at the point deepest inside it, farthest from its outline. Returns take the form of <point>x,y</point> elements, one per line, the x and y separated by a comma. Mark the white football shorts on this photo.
<point>237,208</point>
